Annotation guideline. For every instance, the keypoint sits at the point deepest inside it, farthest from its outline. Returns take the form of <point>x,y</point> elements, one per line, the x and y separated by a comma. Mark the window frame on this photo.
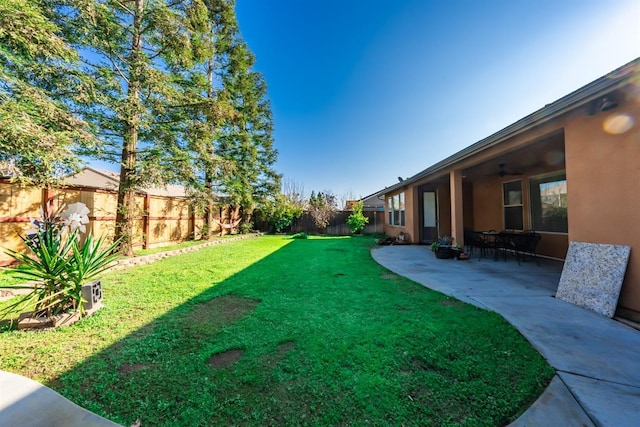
<point>396,210</point>
<point>533,194</point>
<point>511,206</point>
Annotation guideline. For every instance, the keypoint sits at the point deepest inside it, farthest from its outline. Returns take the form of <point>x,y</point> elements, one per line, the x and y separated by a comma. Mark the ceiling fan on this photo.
<point>502,172</point>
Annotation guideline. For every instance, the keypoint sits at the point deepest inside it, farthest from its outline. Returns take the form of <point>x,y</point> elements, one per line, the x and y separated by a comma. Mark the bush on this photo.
<point>300,236</point>
<point>321,208</point>
<point>245,227</point>
<point>59,264</point>
<point>280,213</point>
<point>357,220</point>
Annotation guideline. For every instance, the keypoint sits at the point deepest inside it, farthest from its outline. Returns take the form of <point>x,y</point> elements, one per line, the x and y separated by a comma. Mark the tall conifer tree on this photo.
<point>246,141</point>
<point>37,73</point>
<point>130,49</point>
<point>237,154</point>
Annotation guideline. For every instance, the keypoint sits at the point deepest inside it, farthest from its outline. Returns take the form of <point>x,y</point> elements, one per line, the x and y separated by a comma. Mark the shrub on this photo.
<point>59,263</point>
<point>280,213</point>
<point>245,227</point>
<point>357,220</point>
<point>321,208</point>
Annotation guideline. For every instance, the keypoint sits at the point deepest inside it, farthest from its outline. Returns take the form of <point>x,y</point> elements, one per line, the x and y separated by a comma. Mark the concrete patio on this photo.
<point>598,372</point>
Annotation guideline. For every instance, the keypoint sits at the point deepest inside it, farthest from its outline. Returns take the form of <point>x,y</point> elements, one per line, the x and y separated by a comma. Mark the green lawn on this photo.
<point>10,276</point>
<point>275,331</point>
<point>182,245</point>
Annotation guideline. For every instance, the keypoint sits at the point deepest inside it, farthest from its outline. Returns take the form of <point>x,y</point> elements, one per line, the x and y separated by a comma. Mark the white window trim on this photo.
<point>529,213</point>
<point>505,205</point>
<point>391,211</point>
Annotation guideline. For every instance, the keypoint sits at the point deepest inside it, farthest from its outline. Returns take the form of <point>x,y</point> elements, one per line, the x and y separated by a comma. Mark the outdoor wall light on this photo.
<point>605,103</point>
<point>608,104</point>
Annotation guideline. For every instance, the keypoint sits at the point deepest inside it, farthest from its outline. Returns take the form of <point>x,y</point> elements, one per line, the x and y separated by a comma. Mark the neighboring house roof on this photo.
<point>585,96</point>
<point>108,180</point>
<point>95,178</point>
<point>372,203</point>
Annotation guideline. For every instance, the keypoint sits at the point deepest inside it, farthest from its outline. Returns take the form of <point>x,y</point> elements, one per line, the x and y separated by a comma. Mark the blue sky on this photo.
<point>365,91</point>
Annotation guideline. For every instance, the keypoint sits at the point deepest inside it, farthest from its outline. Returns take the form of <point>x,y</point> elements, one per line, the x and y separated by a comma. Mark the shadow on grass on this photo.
<point>314,333</point>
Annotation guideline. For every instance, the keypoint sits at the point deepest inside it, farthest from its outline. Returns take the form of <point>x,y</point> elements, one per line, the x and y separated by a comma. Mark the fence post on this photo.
<point>192,222</point>
<point>48,200</point>
<point>145,222</point>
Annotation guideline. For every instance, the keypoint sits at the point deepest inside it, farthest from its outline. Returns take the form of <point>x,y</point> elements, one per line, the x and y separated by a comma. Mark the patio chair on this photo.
<point>475,239</point>
<point>503,243</point>
<point>526,244</point>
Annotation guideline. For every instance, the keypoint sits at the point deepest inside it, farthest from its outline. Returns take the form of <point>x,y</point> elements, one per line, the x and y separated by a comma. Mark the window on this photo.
<point>549,203</point>
<point>395,210</point>
<point>512,205</point>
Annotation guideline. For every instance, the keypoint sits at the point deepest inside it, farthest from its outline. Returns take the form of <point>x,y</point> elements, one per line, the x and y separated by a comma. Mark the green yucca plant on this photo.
<point>58,264</point>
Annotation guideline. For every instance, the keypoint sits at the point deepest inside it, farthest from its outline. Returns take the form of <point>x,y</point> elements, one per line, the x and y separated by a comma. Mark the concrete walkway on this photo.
<point>596,358</point>
<point>27,403</point>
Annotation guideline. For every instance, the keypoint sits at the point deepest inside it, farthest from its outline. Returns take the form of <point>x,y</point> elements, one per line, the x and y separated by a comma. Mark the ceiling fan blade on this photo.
<point>502,172</point>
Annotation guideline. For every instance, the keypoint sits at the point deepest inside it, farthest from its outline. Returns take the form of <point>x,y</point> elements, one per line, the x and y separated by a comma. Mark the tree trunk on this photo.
<point>208,220</point>
<point>208,212</point>
<point>126,192</point>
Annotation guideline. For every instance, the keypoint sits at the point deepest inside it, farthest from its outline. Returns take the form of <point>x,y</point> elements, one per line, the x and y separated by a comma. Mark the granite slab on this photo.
<point>592,276</point>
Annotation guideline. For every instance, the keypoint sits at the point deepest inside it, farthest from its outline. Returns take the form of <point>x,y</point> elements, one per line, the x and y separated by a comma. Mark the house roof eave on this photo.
<point>575,99</point>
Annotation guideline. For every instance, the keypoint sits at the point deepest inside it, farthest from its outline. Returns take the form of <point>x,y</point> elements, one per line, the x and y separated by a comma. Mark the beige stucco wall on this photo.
<point>603,178</point>
<point>411,214</point>
<point>602,165</point>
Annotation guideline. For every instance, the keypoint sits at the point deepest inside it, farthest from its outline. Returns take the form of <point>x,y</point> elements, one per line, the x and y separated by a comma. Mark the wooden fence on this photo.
<point>159,220</point>
<point>337,225</point>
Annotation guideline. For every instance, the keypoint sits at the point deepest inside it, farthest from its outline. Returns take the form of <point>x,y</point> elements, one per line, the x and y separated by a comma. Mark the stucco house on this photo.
<point>570,171</point>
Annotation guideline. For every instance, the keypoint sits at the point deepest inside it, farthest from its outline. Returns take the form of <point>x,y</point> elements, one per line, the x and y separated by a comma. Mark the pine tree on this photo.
<point>37,72</point>
<point>236,154</point>
<point>247,141</point>
<point>134,51</point>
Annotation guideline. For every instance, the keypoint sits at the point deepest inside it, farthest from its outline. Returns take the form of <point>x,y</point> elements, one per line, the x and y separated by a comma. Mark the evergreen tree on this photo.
<point>222,26</point>
<point>134,51</point>
<point>37,72</point>
<point>246,140</point>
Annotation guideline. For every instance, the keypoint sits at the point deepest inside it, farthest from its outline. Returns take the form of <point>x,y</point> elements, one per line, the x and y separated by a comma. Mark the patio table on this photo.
<point>501,241</point>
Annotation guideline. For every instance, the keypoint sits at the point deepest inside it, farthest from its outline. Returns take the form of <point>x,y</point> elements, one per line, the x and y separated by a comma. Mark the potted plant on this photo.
<point>60,265</point>
<point>443,247</point>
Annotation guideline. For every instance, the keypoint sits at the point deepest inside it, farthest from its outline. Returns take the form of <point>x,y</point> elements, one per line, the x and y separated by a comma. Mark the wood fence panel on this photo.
<point>197,227</point>
<point>338,224</point>
<point>138,222</point>
<point>170,218</point>
<point>19,202</point>
<point>17,205</point>
<point>103,214</point>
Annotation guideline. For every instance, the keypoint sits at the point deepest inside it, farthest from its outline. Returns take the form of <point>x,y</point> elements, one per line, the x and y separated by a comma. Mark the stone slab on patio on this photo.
<point>592,276</point>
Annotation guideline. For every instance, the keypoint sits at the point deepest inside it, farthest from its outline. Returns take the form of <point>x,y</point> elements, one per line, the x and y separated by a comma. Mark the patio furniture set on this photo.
<point>503,243</point>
